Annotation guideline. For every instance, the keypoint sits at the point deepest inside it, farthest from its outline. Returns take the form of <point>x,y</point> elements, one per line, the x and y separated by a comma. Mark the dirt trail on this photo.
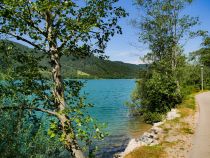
<point>201,142</point>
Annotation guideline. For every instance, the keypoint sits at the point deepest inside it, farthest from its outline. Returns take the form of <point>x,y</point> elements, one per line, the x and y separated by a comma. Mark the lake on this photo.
<point>109,98</point>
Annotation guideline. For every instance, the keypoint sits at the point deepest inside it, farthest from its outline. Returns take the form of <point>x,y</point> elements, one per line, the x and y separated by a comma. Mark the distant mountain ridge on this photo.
<point>92,67</point>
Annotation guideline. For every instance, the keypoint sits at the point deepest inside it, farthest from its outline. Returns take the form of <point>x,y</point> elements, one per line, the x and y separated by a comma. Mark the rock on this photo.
<point>157,124</point>
<point>118,155</point>
<point>154,136</point>
<point>148,138</point>
<point>156,130</point>
<point>172,114</point>
<point>143,144</point>
<point>151,136</point>
<point>155,142</point>
<point>133,144</point>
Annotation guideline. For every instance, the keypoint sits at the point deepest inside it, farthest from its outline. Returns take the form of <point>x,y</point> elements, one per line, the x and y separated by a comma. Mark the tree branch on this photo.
<point>65,42</point>
<point>24,40</point>
<point>28,108</point>
<point>68,38</point>
<point>28,21</point>
<point>31,23</point>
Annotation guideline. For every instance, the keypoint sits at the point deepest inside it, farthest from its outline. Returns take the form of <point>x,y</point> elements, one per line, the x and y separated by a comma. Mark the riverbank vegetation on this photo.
<point>170,76</point>
<point>177,135</point>
<point>147,151</point>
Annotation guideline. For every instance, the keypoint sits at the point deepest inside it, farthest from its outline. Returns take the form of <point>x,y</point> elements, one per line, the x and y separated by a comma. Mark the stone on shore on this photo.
<point>172,114</point>
<point>149,138</point>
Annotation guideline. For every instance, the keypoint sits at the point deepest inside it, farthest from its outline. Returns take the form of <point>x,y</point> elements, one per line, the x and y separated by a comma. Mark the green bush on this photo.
<point>154,117</point>
<point>24,137</point>
<point>160,93</point>
<point>155,95</point>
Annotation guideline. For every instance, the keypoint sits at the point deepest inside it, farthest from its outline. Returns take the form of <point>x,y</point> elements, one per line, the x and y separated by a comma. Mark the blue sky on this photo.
<point>126,47</point>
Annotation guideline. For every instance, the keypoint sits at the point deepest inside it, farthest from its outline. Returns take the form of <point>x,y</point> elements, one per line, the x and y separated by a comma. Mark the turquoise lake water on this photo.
<point>109,98</point>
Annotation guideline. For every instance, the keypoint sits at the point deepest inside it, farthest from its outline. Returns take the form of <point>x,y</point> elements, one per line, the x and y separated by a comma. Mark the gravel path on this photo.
<point>201,142</point>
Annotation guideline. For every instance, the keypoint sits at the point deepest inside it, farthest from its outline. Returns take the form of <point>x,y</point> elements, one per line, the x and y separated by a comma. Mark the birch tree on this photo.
<point>164,29</point>
<point>56,28</point>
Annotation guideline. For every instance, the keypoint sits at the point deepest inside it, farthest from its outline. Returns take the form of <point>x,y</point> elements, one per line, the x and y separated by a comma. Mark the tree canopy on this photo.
<point>73,25</point>
<point>163,28</point>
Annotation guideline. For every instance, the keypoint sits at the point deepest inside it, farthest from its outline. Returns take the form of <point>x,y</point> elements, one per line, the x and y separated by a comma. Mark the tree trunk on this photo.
<point>58,92</point>
<point>70,142</point>
<point>174,67</point>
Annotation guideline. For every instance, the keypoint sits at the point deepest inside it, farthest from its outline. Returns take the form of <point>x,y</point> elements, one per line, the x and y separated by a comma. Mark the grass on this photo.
<point>188,103</point>
<point>147,152</point>
<point>187,130</point>
<point>80,73</point>
<point>188,106</point>
<point>169,144</point>
<point>166,129</point>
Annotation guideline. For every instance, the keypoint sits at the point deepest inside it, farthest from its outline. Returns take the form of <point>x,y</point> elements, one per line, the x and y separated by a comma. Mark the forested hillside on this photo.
<point>91,67</point>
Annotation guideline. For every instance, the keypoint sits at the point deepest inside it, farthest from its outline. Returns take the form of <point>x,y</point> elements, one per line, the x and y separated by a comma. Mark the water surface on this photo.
<point>109,98</point>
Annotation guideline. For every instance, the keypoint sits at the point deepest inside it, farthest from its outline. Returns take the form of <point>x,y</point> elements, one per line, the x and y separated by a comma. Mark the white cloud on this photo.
<point>132,57</point>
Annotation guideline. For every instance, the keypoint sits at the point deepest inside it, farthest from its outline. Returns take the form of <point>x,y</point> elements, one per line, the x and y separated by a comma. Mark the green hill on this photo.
<point>91,67</point>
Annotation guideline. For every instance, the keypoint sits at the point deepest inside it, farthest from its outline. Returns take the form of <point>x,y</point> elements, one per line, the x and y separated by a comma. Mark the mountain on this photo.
<point>91,67</point>
<point>99,68</point>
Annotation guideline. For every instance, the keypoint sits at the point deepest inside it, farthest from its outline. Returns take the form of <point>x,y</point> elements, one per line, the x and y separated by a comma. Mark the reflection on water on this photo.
<point>109,97</point>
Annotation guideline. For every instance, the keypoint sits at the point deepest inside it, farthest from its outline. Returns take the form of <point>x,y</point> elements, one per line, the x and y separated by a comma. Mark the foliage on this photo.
<point>56,28</point>
<point>202,58</point>
<point>25,91</point>
<point>163,29</point>
<point>72,24</point>
<point>152,117</point>
<point>162,93</point>
<point>24,133</point>
<point>23,136</point>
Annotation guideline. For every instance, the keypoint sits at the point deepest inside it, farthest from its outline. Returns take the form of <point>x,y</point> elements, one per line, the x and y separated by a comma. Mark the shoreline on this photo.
<point>173,137</point>
<point>151,137</point>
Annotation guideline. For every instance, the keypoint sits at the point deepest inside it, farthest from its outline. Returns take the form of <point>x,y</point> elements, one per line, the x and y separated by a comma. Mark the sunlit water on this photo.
<point>109,98</point>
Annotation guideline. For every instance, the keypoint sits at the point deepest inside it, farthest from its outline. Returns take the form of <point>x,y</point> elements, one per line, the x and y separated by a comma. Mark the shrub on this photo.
<point>160,93</point>
<point>152,117</point>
